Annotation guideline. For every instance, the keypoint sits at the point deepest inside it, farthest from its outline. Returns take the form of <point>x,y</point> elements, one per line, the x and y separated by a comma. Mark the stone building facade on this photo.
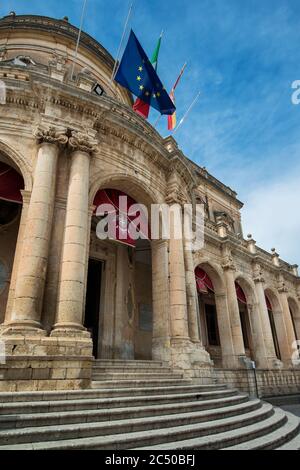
<point>65,295</point>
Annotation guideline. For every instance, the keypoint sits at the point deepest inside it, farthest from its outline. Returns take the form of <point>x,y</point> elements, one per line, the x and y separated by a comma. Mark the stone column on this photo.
<point>229,359</point>
<point>234,312</point>
<point>259,348</point>
<point>32,265</point>
<point>271,358</point>
<point>160,293</point>
<point>287,318</point>
<point>18,251</point>
<point>178,297</point>
<point>69,320</point>
<point>192,299</point>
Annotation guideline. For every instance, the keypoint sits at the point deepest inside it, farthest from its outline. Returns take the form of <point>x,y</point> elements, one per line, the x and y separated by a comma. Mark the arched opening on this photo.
<point>295,315</point>
<point>11,184</point>
<point>209,325</point>
<point>119,311</point>
<point>271,306</point>
<point>245,318</point>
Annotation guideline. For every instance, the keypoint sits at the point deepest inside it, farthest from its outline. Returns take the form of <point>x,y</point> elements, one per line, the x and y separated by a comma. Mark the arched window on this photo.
<point>245,324</point>
<point>273,326</point>
<point>206,295</point>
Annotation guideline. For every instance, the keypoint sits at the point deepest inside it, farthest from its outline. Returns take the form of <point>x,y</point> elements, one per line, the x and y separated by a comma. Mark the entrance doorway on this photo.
<point>92,307</point>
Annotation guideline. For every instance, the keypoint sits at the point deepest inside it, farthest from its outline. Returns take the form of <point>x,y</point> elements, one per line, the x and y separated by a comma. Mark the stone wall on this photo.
<point>41,363</point>
<point>269,382</point>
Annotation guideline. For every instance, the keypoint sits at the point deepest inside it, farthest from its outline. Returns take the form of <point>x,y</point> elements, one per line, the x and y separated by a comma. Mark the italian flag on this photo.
<point>139,106</point>
<point>172,121</point>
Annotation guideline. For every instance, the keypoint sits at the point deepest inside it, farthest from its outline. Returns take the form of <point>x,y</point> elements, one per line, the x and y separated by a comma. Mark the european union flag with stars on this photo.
<point>136,73</point>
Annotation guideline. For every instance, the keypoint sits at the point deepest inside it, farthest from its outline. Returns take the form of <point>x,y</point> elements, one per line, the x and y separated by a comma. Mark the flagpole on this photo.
<point>157,121</point>
<point>79,36</point>
<point>179,77</point>
<point>115,69</point>
<point>187,113</point>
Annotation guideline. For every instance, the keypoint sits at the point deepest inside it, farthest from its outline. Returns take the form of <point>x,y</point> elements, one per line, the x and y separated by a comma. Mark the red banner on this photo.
<point>204,283</point>
<point>240,294</point>
<point>11,183</point>
<point>120,216</point>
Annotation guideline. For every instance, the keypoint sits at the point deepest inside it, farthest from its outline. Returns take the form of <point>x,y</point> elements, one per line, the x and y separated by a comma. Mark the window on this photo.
<point>3,277</point>
<point>212,325</point>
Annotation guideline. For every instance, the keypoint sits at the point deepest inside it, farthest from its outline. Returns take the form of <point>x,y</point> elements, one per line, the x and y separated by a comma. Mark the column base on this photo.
<point>161,349</point>
<point>199,356</point>
<point>296,363</point>
<point>188,357</point>
<point>70,330</point>
<point>22,328</point>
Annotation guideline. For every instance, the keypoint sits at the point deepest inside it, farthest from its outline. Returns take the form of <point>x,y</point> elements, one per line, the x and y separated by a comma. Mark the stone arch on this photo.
<point>295,314</point>
<point>248,287</point>
<point>215,273</point>
<point>116,340</point>
<point>16,160</point>
<point>11,236</point>
<point>277,323</point>
<point>130,184</point>
<point>250,318</point>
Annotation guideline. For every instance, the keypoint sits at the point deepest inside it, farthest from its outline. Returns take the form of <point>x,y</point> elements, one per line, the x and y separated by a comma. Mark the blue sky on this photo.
<point>243,56</point>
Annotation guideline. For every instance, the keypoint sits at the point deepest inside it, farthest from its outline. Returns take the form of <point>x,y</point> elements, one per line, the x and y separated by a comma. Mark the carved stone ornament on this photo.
<point>228,263</point>
<point>51,135</point>
<point>282,288</point>
<point>175,195</point>
<point>258,274</point>
<point>83,142</point>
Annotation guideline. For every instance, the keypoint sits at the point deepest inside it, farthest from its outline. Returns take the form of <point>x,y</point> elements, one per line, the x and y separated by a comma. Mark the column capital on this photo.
<point>228,264</point>
<point>160,242</point>
<point>258,274</point>
<point>259,279</point>
<point>84,142</point>
<point>51,135</point>
<point>282,289</point>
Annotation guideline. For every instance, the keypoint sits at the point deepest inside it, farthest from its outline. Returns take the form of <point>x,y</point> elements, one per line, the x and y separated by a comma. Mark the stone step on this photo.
<point>150,437</point>
<point>12,397</point>
<point>223,440</point>
<point>294,442</point>
<point>69,431</point>
<point>130,376</point>
<point>284,435</point>
<point>32,418</point>
<point>127,364</point>
<point>136,383</point>
<point>208,397</point>
<point>124,370</point>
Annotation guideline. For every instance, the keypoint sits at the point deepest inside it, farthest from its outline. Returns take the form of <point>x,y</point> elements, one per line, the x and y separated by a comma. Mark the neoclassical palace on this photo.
<point>66,297</point>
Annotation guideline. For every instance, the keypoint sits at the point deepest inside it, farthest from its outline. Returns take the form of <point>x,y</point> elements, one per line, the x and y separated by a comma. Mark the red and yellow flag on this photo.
<point>172,120</point>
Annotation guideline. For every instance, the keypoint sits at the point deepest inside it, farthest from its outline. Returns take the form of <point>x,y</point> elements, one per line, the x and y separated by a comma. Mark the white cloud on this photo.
<point>272,215</point>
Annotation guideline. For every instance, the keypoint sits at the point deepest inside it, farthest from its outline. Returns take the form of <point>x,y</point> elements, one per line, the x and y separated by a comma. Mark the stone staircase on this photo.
<point>143,405</point>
